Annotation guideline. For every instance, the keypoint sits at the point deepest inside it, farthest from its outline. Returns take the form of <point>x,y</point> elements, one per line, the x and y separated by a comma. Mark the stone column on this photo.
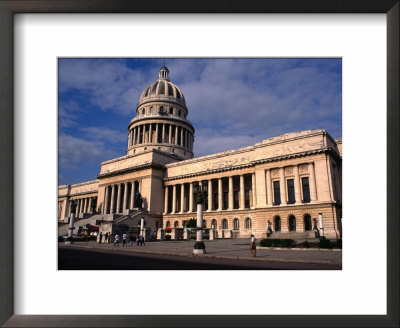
<point>181,136</point>
<point>241,193</point>
<point>133,191</point>
<point>282,186</point>
<point>156,132</point>
<point>106,202</point>
<point>119,199</point>
<point>182,198</point>
<point>210,198</point>
<point>220,199</point>
<point>230,193</point>
<point>166,200</point>
<point>151,133</point>
<point>90,206</point>
<point>313,189</point>
<point>191,197</point>
<point>170,134</point>
<point>134,137</point>
<point>173,198</point>
<point>84,205</point>
<point>269,187</point>
<point>176,135</point>
<point>253,189</point>
<point>125,201</point>
<point>112,199</point>
<point>143,133</point>
<point>297,194</point>
<point>163,133</point>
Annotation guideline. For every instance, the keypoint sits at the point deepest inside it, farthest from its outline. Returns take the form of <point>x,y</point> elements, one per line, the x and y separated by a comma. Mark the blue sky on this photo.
<point>232,103</point>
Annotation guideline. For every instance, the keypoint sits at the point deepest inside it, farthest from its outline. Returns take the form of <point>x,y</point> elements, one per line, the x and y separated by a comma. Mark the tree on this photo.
<point>192,223</point>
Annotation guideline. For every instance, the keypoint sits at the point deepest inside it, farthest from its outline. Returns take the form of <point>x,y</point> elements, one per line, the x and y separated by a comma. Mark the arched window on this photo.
<point>176,224</point>
<point>151,110</point>
<point>277,223</point>
<point>143,111</point>
<point>248,223</point>
<point>204,223</point>
<point>161,110</point>
<point>224,224</point>
<point>236,224</point>
<point>179,113</point>
<point>292,223</point>
<point>214,224</point>
<point>184,223</point>
<point>171,110</point>
<point>307,222</point>
<point>168,224</point>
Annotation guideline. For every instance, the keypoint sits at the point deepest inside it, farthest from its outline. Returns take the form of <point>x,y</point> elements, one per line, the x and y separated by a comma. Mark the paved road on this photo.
<point>81,258</point>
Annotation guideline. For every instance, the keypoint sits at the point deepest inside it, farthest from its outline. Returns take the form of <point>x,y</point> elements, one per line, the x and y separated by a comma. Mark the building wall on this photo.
<point>311,154</point>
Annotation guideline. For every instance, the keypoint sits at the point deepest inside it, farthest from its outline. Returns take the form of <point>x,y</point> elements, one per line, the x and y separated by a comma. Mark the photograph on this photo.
<point>199,163</point>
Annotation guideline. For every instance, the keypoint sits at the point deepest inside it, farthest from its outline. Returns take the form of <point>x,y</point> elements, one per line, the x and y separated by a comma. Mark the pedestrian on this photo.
<point>141,239</point>
<point>100,237</point>
<point>117,239</point>
<point>137,240</point>
<point>124,239</point>
<point>130,241</point>
<point>106,238</point>
<point>253,245</point>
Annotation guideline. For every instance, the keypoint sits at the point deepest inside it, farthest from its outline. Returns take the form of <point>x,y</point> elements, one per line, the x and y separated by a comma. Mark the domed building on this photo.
<point>161,120</point>
<point>287,186</point>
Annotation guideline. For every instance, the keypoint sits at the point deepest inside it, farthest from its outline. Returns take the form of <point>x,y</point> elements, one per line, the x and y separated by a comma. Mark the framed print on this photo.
<point>28,263</point>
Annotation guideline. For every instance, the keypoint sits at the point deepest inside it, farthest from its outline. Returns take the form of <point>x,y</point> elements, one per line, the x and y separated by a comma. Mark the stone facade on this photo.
<point>279,186</point>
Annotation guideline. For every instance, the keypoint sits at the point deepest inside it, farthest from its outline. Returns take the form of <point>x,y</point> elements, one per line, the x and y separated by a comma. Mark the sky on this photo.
<point>232,103</point>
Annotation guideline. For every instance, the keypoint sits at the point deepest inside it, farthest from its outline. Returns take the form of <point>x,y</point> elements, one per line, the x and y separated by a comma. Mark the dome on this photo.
<point>162,89</point>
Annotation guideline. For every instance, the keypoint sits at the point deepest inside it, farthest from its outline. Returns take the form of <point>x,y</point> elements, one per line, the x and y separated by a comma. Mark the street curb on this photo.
<point>299,249</point>
<point>206,255</point>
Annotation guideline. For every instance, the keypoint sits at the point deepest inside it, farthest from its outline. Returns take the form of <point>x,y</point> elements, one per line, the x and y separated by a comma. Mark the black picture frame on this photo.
<point>7,10</point>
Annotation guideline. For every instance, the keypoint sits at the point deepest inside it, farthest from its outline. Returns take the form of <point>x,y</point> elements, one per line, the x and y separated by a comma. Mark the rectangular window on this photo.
<point>225,200</point>
<point>236,199</point>
<point>277,193</point>
<point>247,198</point>
<point>290,188</point>
<point>306,190</point>
<point>215,201</point>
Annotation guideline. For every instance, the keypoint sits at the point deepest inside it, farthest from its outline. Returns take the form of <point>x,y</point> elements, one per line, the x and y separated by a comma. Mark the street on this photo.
<point>80,258</point>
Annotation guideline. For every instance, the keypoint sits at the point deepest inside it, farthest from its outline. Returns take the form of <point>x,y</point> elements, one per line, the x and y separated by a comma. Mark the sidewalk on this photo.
<point>238,249</point>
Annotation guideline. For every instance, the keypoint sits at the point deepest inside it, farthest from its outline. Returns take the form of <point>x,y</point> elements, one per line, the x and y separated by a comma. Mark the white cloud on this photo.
<point>102,133</point>
<point>74,151</point>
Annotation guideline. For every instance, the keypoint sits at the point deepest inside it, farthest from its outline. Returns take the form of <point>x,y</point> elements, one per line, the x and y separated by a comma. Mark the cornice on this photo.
<point>251,164</point>
<point>131,169</point>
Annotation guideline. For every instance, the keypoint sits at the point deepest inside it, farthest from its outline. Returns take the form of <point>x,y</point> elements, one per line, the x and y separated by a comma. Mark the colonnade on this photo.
<point>84,205</point>
<point>120,196</point>
<point>222,194</point>
<point>225,193</point>
<point>160,133</point>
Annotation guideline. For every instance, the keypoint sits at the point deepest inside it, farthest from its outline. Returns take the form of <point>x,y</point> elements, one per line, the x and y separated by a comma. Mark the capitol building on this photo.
<point>288,186</point>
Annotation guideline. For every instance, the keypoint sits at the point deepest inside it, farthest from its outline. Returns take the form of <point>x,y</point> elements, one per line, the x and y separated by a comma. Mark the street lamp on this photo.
<point>200,192</point>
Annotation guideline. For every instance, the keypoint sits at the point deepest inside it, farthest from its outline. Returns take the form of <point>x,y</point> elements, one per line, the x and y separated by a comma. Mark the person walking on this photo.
<point>100,237</point>
<point>117,239</point>
<point>253,245</point>
<point>124,239</point>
